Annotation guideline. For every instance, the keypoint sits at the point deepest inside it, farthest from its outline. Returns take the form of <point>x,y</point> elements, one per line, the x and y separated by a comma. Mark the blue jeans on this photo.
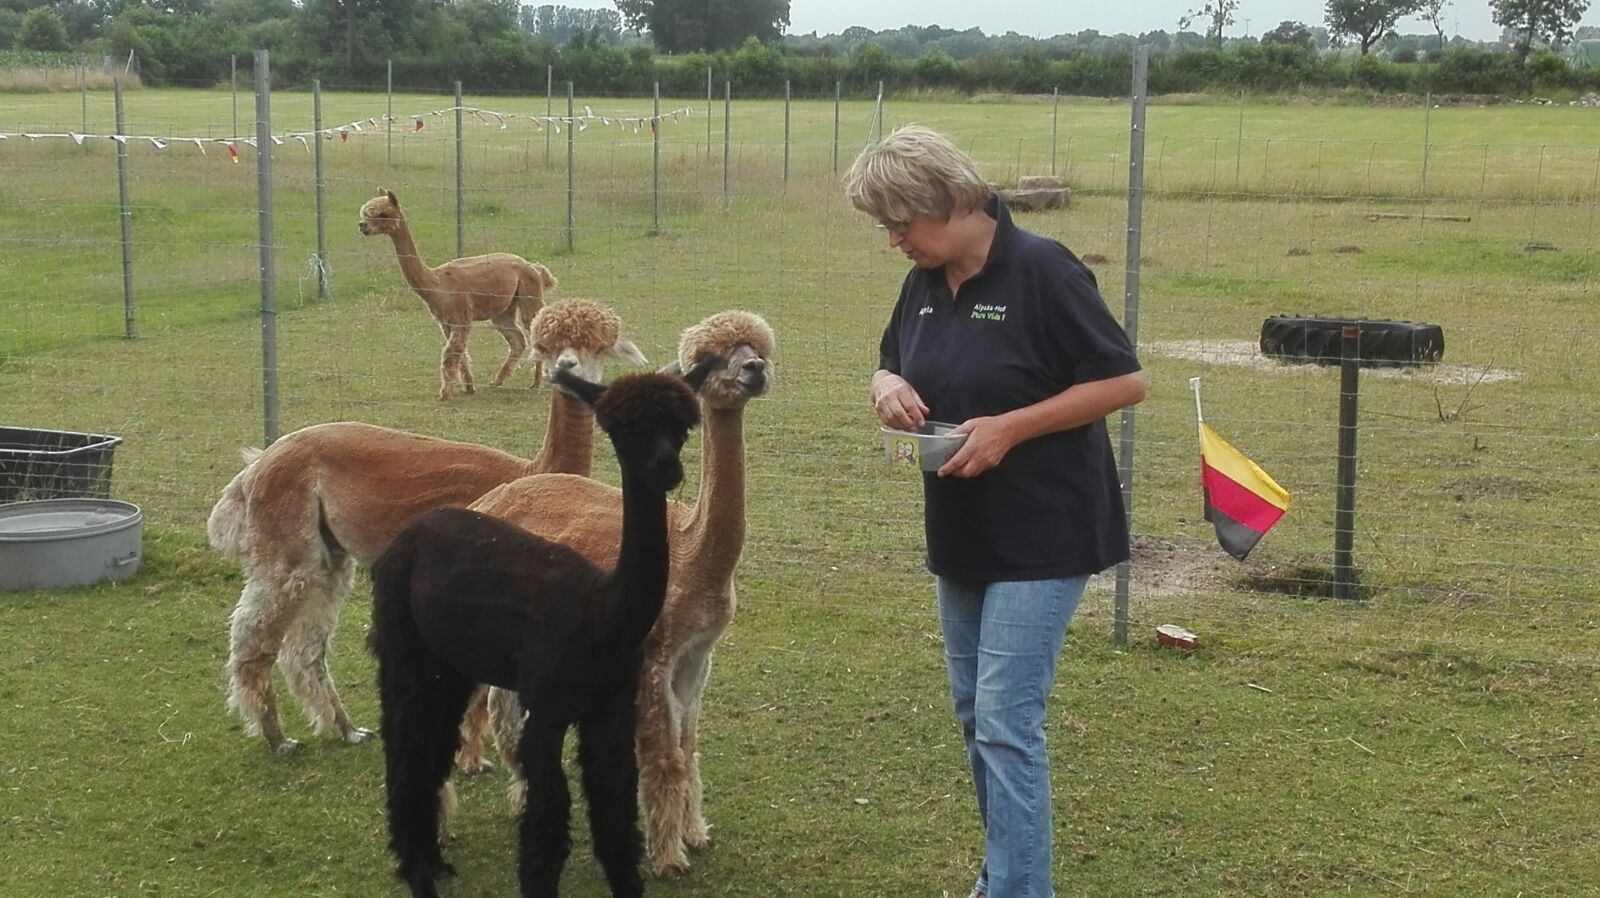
<point>1001,644</point>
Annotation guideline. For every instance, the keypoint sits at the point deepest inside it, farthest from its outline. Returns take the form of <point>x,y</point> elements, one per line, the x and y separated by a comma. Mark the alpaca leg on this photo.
<point>516,338</point>
<point>689,686</point>
<point>256,632</point>
<point>610,783</point>
<point>453,365</point>
<point>469,750</point>
<point>421,704</point>
<point>661,772</point>
<point>305,652</point>
<point>506,719</point>
<point>545,841</point>
<point>527,307</point>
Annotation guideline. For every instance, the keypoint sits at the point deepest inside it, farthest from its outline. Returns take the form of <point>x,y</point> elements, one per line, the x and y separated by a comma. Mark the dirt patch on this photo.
<point>1164,567</point>
<point>1245,354</point>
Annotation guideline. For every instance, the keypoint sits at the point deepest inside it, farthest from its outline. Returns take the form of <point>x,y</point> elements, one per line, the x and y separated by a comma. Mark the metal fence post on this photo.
<point>233,81</point>
<point>708,112</point>
<point>837,90</point>
<point>1130,317</point>
<point>125,218</point>
<point>727,137</point>
<point>1344,512</point>
<point>787,97</point>
<point>461,197</point>
<point>269,283</point>
<point>655,163</point>
<point>549,108</point>
<point>572,184</point>
<point>388,130</point>
<point>1055,120</point>
<point>322,185</point>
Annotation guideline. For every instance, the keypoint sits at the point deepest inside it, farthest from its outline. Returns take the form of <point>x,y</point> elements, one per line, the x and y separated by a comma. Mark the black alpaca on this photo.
<point>460,598</point>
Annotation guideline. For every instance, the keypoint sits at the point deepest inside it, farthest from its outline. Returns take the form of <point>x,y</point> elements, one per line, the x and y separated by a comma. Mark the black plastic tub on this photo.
<point>54,464</point>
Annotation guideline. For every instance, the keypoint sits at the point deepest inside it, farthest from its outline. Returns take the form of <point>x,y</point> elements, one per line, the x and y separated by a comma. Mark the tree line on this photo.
<point>506,46</point>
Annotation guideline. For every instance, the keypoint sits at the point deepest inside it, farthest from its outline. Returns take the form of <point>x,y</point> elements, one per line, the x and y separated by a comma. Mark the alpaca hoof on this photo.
<point>445,871</point>
<point>358,735</point>
<point>697,841</point>
<point>671,868</point>
<point>469,389</point>
<point>473,766</point>
<point>286,747</point>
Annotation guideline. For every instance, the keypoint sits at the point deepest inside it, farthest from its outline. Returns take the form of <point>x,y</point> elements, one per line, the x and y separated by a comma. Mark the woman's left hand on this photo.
<point>988,441</point>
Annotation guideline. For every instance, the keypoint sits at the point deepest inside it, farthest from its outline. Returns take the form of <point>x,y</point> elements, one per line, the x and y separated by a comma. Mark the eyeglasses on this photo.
<point>895,227</point>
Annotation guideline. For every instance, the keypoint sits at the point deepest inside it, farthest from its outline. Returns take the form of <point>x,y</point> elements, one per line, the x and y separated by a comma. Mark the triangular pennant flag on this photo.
<point>653,126</point>
<point>356,125</point>
<point>199,143</point>
<point>344,136</point>
<point>303,142</point>
<point>588,113</point>
<point>76,137</point>
<point>158,142</point>
<point>604,120</point>
<point>277,141</point>
<point>122,138</point>
<point>233,151</point>
<point>417,121</point>
<point>372,121</point>
<point>583,124</point>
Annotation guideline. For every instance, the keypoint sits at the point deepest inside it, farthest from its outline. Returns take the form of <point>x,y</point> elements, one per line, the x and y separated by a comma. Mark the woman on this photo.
<point>1005,333</point>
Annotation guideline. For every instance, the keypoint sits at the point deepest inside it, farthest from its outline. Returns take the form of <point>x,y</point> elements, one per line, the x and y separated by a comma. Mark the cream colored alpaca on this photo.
<point>303,512</point>
<point>503,289</point>
<point>706,540</point>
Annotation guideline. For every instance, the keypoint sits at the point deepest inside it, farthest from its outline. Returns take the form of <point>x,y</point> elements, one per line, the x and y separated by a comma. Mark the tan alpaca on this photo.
<point>303,512</point>
<point>706,540</point>
<point>503,289</point>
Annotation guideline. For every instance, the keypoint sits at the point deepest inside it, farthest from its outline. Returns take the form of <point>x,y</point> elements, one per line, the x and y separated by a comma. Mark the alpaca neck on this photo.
<point>568,446</point>
<point>417,272</point>
<point>641,560</point>
<point>716,533</point>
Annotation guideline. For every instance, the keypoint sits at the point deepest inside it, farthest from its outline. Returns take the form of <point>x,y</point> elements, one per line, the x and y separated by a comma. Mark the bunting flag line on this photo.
<point>1241,501</point>
<point>578,122</point>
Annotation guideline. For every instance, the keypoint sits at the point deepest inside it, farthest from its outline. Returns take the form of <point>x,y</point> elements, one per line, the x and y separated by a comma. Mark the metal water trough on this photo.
<point>51,543</point>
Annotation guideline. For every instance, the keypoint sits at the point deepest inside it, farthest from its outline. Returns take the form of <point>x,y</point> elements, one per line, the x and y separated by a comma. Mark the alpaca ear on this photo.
<point>624,350</point>
<point>588,391</point>
<point>392,200</point>
<point>702,370</point>
<point>672,368</point>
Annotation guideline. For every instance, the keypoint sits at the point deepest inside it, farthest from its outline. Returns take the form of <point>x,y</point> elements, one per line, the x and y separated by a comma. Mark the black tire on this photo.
<point>1317,340</point>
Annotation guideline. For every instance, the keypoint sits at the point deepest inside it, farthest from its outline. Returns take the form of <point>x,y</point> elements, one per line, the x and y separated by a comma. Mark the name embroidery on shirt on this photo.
<point>925,310</point>
<point>985,312</point>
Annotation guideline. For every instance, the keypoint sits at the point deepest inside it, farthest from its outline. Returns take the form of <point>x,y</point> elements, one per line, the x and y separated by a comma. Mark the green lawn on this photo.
<point>1432,740</point>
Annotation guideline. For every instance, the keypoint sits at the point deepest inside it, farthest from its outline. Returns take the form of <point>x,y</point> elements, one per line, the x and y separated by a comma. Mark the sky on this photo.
<point>1043,18</point>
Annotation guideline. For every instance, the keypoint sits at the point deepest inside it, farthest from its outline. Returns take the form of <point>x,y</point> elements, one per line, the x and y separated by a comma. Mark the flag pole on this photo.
<point>1194,387</point>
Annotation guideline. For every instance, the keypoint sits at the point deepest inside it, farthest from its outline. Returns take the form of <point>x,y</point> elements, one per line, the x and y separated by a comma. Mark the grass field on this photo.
<point>1435,739</point>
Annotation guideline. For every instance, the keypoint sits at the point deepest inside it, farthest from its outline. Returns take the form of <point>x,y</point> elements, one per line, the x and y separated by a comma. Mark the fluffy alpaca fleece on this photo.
<point>304,512</point>
<point>461,598</point>
<point>503,289</point>
<point>706,539</point>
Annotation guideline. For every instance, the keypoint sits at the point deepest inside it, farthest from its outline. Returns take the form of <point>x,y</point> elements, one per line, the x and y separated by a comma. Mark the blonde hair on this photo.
<point>914,171</point>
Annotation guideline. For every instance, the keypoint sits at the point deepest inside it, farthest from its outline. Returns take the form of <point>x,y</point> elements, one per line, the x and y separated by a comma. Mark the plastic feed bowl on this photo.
<point>928,449</point>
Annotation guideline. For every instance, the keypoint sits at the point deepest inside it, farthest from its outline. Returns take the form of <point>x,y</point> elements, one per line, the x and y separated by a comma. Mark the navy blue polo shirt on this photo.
<point>1029,325</point>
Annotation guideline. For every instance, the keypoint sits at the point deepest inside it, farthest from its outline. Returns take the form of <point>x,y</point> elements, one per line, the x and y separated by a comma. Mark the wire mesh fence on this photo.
<point>1475,473</point>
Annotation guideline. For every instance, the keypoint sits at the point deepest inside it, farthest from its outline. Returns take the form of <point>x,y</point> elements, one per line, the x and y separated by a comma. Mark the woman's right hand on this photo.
<point>897,402</point>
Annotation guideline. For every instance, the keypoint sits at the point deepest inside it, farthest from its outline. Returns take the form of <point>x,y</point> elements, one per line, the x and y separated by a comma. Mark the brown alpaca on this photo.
<point>305,511</point>
<point>503,289</point>
<point>706,541</point>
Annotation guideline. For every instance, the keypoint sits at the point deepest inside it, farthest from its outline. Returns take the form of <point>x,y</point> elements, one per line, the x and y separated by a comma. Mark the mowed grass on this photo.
<point>1432,740</point>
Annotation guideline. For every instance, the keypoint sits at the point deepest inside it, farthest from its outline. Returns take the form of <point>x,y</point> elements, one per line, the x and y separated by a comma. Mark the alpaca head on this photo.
<point>648,417</point>
<point>578,335</point>
<point>381,214</point>
<point>744,342</point>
